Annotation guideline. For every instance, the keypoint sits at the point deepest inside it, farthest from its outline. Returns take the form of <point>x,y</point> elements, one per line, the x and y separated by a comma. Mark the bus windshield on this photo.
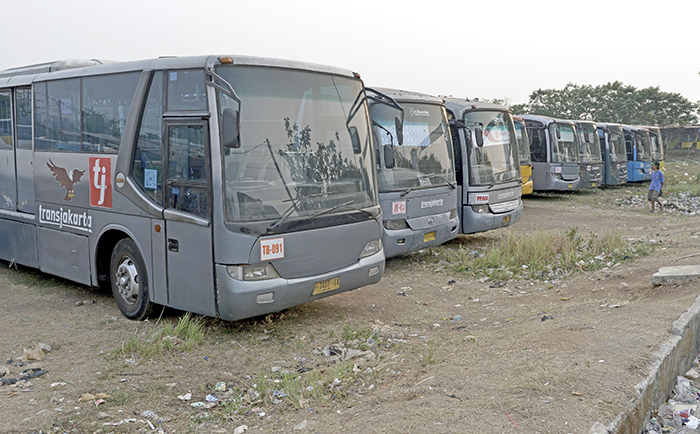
<point>643,145</point>
<point>495,161</point>
<point>426,153</point>
<point>564,143</point>
<point>589,144</point>
<point>617,144</point>
<point>305,147</point>
<point>523,143</point>
<point>657,150</point>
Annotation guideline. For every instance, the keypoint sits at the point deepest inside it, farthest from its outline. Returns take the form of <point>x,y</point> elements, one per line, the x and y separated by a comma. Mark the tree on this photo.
<point>613,102</point>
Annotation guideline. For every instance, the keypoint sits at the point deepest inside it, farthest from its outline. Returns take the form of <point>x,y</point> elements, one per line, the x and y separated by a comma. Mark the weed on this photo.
<point>166,337</point>
<point>430,357</point>
<point>547,256</point>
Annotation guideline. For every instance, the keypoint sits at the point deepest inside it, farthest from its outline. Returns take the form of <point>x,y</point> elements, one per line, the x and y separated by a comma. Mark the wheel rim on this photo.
<point>127,279</point>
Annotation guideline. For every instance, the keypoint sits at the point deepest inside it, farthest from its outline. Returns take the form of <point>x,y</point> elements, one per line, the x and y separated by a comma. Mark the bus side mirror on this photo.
<point>479,135</point>
<point>231,128</point>
<point>388,156</point>
<point>355,140</point>
<point>398,124</point>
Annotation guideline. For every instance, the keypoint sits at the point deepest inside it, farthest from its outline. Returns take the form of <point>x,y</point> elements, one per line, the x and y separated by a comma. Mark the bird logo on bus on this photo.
<point>67,181</point>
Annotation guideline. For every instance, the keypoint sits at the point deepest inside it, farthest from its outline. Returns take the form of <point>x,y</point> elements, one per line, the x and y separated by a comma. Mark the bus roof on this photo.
<point>608,124</point>
<point>409,96</point>
<point>70,68</point>
<point>464,105</point>
<point>546,120</point>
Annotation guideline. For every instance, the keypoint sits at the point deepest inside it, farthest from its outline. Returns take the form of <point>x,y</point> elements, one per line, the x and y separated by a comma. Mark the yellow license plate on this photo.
<point>326,285</point>
<point>593,184</point>
<point>506,219</point>
<point>430,236</point>
<point>571,186</point>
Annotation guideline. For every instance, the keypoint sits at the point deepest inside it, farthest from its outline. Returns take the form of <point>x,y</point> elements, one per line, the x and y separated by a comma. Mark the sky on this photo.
<point>464,48</point>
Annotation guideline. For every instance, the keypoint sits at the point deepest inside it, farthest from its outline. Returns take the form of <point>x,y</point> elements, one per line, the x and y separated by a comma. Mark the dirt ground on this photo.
<point>427,349</point>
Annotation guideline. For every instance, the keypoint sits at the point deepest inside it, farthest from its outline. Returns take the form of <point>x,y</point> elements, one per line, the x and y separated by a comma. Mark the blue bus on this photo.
<point>638,147</point>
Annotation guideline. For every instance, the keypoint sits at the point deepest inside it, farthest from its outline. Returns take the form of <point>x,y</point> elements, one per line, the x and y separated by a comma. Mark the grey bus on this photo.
<point>590,157</point>
<point>228,186</point>
<point>489,185</point>
<point>657,145</point>
<point>554,151</point>
<point>612,147</point>
<point>415,170</point>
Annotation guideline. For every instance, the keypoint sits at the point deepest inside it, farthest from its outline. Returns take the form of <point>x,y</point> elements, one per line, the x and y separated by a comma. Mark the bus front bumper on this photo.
<point>473,222</point>
<point>237,299</point>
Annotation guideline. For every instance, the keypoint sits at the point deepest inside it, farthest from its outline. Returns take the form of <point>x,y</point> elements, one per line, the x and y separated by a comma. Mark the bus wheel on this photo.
<point>129,281</point>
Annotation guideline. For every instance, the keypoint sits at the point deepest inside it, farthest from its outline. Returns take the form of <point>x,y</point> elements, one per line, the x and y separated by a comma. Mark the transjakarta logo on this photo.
<point>65,218</point>
<point>431,203</point>
<point>416,112</point>
<point>481,198</point>
<point>100,182</point>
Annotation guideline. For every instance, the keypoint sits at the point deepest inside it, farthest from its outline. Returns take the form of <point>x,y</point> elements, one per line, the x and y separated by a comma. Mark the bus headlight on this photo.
<point>556,176</point>
<point>395,225</point>
<point>480,209</point>
<point>371,248</point>
<point>453,213</point>
<point>252,272</point>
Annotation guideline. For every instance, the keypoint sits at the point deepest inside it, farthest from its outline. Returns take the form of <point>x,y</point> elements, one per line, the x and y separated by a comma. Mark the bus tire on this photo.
<point>129,281</point>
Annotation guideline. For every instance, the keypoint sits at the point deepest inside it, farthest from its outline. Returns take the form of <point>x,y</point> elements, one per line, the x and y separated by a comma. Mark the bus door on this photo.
<point>187,215</point>
<point>8,184</point>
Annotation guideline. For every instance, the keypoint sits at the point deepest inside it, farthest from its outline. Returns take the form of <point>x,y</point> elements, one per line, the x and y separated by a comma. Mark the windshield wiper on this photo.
<point>428,176</point>
<point>326,211</point>
<point>295,201</point>
<point>497,174</point>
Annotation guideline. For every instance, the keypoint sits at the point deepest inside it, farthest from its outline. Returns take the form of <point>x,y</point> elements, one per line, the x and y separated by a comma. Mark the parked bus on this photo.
<point>590,157</point>
<point>612,148</point>
<point>225,186</point>
<point>687,137</point>
<point>523,153</point>
<point>488,171</point>
<point>657,146</point>
<point>638,146</point>
<point>415,170</point>
<point>554,152</point>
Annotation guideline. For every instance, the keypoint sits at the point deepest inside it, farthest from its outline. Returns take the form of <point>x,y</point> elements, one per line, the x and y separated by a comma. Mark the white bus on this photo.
<point>225,186</point>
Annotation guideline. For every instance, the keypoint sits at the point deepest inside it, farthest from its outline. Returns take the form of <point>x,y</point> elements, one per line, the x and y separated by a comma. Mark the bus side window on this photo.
<point>457,144</point>
<point>5,120</point>
<point>630,147</point>
<point>147,161</point>
<point>538,152</point>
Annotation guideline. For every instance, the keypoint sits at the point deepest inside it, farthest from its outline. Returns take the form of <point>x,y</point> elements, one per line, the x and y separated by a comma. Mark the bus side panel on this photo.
<point>25,181</point>
<point>159,282</point>
<point>64,254</point>
<point>539,176</point>
<point>18,243</point>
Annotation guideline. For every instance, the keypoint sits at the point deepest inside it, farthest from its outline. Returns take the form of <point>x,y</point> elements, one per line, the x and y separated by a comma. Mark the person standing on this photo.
<point>657,183</point>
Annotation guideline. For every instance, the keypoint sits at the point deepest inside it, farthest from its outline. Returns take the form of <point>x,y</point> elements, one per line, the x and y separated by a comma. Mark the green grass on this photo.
<point>681,185</point>
<point>165,337</point>
<point>546,256</point>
